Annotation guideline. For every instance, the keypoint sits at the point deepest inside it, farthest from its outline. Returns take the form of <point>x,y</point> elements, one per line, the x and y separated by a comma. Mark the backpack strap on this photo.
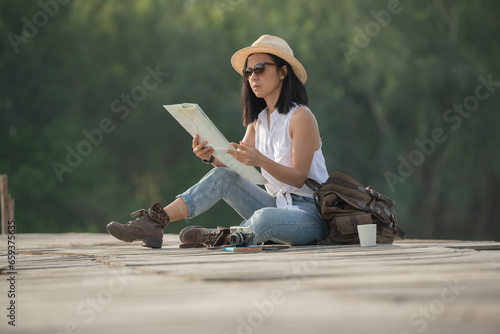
<point>379,196</point>
<point>380,210</point>
<point>345,181</point>
<point>313,184</point>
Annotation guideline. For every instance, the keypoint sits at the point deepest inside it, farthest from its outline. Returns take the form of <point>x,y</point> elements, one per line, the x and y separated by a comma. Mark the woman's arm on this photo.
<point>249,138</point>
<point>205,152</point>
<point>304,133</point>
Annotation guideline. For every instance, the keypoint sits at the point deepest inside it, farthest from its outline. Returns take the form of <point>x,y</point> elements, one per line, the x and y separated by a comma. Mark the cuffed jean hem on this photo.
<point>189,203</point>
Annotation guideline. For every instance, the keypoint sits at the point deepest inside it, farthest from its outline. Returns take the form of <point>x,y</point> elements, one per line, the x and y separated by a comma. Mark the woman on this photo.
<point>282,138</point>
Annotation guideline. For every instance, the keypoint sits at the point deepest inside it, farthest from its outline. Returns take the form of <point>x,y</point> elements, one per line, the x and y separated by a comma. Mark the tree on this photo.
<point>85,140</point>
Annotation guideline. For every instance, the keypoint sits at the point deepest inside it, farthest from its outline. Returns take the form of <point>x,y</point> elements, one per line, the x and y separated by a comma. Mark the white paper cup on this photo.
<point>367,235</point>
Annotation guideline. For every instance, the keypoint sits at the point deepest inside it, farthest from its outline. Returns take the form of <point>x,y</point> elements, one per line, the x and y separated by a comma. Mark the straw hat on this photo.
<point>273,45</point>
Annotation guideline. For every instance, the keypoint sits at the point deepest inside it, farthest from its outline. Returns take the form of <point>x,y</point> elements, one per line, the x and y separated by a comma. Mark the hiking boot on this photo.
<point>148,227</point>
<point>198,236</point>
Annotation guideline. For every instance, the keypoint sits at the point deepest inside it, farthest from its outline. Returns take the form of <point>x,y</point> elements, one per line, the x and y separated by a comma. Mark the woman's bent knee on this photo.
<point>223,173</point>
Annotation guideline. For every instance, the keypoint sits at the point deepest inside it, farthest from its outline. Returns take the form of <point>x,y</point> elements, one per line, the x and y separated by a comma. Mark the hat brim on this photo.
<point>240,57</point>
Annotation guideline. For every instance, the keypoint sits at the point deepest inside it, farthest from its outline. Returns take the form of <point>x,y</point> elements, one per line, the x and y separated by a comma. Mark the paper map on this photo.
<point>196,122</point>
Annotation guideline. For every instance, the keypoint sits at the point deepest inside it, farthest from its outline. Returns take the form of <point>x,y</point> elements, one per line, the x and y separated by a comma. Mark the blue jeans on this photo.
<point>257,207</point>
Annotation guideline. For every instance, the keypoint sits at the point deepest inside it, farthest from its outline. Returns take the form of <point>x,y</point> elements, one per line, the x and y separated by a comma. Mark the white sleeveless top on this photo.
<point>276,144</point>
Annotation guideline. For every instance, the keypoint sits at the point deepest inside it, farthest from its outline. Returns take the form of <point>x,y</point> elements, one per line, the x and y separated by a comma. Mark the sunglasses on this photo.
<point>258,69</point>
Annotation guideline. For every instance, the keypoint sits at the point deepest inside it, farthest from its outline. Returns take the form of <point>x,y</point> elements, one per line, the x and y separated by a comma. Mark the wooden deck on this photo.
<point>92,283</point>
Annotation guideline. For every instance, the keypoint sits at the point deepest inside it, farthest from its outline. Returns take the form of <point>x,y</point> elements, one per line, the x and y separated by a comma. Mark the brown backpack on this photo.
<point>344,203</point>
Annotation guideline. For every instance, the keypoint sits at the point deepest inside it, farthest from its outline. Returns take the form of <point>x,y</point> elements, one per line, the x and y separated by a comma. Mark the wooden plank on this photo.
<point>7,204</point>
<point>4,200</point>
<point>94,283</point>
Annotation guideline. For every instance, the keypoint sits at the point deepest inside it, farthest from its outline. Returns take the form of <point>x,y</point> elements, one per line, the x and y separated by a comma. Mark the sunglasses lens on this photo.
<point>247,72</point>
<point>258,70</point>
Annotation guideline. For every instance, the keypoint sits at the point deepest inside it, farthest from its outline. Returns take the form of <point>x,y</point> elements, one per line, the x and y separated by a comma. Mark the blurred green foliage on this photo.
<point>384,75</point>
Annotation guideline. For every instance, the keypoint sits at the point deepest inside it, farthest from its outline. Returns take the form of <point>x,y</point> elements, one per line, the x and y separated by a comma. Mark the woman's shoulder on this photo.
<point>303,118</point>
<point>303,123</point>
<point>302,113</point>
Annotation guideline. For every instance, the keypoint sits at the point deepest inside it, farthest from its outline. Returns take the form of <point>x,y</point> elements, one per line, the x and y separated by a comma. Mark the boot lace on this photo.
<point>215,238</point>
<point>139,214</point>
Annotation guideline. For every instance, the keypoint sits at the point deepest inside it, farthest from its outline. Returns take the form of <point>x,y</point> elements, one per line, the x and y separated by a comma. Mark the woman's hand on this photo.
<point>202,151</point>
<point>246,155</point>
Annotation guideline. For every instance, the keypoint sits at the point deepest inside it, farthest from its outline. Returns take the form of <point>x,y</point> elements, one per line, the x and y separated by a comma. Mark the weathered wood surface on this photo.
<point>6,204</point>
<point>92,283</point>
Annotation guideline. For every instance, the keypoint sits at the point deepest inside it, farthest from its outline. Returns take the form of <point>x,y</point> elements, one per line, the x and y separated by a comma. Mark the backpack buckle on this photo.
<point>374,193</point>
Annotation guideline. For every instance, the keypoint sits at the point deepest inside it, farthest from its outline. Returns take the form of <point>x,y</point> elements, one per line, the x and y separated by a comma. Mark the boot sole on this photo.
<point>124,236</point>
<point>192,246</point>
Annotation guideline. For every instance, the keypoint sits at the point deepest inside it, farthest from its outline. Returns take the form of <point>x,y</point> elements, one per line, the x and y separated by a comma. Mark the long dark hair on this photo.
<point>292,91</point>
